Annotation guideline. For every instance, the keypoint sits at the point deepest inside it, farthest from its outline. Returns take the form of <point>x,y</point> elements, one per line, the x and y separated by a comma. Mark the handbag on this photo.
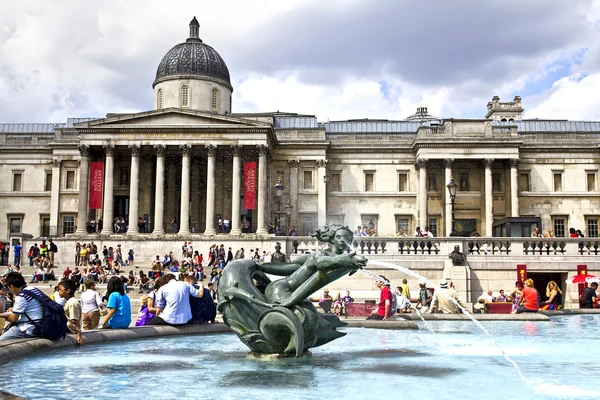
<point>144,316</point>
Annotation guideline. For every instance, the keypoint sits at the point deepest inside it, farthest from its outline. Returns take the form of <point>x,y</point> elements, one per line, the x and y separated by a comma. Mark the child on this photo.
<point>337,304</point>
<point>130,260</point>
<point>66,289</point>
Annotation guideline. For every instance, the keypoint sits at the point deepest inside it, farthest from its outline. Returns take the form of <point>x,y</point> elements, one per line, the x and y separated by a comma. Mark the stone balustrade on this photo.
<point>480,246</point>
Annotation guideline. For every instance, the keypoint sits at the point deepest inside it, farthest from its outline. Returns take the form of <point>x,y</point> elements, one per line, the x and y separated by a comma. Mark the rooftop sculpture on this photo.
<point>275,317</point>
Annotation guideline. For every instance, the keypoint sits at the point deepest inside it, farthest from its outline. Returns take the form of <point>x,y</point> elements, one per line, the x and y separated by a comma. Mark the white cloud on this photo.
<point>573,97</point>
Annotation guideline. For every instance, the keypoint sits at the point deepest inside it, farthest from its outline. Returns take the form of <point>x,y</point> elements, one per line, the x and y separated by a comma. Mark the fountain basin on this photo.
<point>456,360</point>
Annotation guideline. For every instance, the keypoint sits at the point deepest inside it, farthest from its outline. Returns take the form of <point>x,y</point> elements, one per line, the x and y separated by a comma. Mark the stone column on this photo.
<point>489,199</point>
<point>294,164</point>
<point>109,180</point>
<point>236,186</point>
<point>448,209</point>
<point>184,218</point>
<point>159,196</point>
<point>210,190</point>
<point>514,187</point>
<point>261,228</point>
<point>134,182</point>
<point>55,196</point>
<point>422,194</point>
<point>321,193</point>
<point>84,181</point>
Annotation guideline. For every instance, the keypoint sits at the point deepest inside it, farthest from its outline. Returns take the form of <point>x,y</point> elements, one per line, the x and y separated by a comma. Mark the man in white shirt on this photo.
<point>25,303</point>
<point>427,233</point>
<point>173,302</point>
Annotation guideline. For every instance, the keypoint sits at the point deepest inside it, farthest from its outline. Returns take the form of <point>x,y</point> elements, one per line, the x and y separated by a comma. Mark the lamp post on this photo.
<point>279,188</point>
<point>452,186</point>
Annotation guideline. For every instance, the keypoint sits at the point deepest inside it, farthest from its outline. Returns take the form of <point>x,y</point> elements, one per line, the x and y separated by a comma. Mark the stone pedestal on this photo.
<point>460,275</point>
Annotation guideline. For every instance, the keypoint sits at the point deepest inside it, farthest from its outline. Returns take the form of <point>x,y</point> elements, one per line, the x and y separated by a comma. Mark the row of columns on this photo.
<point>160,195</point>
<point>489,214</point>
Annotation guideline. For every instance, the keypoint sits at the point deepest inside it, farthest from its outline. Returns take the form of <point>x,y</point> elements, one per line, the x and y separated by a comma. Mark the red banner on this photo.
<point>581,270</point>
<point>250,185</point>
<point>521,273</point>
<point>96,180</point>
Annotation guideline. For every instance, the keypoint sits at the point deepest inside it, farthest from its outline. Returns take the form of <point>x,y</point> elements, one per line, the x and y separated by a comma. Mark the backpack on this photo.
<point>53,324</point>
<point>394,302</point>
<point>583,297</point>
<point>53,247</point>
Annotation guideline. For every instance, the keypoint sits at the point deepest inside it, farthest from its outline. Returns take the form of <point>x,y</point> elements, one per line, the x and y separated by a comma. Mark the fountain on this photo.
<point>275,317</point>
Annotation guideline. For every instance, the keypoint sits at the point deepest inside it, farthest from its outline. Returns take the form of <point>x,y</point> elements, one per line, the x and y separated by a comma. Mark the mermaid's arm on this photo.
<point>283,269</point>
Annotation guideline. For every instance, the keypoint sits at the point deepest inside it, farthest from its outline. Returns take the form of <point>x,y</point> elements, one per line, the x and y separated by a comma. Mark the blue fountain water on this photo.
<point>457,362</point>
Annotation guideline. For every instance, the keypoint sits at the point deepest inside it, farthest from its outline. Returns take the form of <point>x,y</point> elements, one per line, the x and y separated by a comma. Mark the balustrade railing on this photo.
<point>480,246</point>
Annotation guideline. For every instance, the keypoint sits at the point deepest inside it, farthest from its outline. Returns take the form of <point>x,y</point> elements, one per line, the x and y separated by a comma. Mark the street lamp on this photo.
<point>279,188</point>
<point>452,186</point>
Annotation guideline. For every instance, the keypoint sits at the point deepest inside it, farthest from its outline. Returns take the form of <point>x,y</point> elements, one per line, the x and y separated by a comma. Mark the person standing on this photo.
<point>52,249</point>
<point>91,303</point>
<point>384,311</point>
<point>17,250</point>
<point>405,288</point>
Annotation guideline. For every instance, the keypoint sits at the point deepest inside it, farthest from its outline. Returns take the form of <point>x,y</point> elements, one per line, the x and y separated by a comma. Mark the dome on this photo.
<point>192,59</point>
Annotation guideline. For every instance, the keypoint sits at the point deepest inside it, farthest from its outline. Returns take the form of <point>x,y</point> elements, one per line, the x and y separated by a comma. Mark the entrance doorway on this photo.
<point>541,279</point>
<point>121,207</point>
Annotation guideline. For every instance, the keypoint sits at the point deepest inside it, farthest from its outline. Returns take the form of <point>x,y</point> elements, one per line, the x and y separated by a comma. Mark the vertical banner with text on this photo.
<point>96,178</point>
<point>250,185</point>
<point>521,272</point>
<point>581,270</point>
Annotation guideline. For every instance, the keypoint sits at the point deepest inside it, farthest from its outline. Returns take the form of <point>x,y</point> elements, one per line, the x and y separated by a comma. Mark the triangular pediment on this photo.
<point>171,117</point>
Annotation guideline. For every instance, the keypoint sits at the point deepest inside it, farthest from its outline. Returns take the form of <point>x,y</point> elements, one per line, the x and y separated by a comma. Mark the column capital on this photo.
<point>84,150</point>
<point>421,163</point>
<point>263,150</point>
<point>109,150</point>
<point>160,150</point>
<point>514,162</point>
<point>56,163</point>
<point>487,162</point>
<point>448,162</point>
<point>135,150</point>
<point>294,163</point>
<point>211,149</point>
<point>236,150</point>
<point>321,163</point>
<point>185,149</point>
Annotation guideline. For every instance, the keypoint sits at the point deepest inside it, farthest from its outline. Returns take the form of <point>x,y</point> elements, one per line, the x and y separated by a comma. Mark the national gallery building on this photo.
<point>192,161</point>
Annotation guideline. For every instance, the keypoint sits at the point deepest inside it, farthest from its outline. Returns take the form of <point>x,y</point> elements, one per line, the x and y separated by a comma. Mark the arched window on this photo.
<point>159,99</point>
<point>511,120</point>
<point>214,103</point>
<point>185,103</point>
<point>503,120</point>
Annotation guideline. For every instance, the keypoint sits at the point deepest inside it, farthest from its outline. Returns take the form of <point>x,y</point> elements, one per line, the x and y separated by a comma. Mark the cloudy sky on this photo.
<point>337,59</point>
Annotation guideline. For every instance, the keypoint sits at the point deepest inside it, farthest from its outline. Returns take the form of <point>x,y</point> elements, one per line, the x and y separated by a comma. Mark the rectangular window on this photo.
<point>402,224</point>
<point>68,224</point>
<point>591,181</point>
<point>403,182</point>
<point>496,182</point>
<point>592,227</point>
<point>524,182</point>
<point>432,183</point>
<point>15,224</point>
<point>558,181</point>
<point>369,181</point>
<point>559,227</point>
<point>370,222</point>
<point>308,224</point>
<point>433,226</point>
<point>464,182</point>
<point>336,182</point>
<point>70,180</point>
<point>17,182</point>
<point>307,180</point>
<point>48,183</point>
